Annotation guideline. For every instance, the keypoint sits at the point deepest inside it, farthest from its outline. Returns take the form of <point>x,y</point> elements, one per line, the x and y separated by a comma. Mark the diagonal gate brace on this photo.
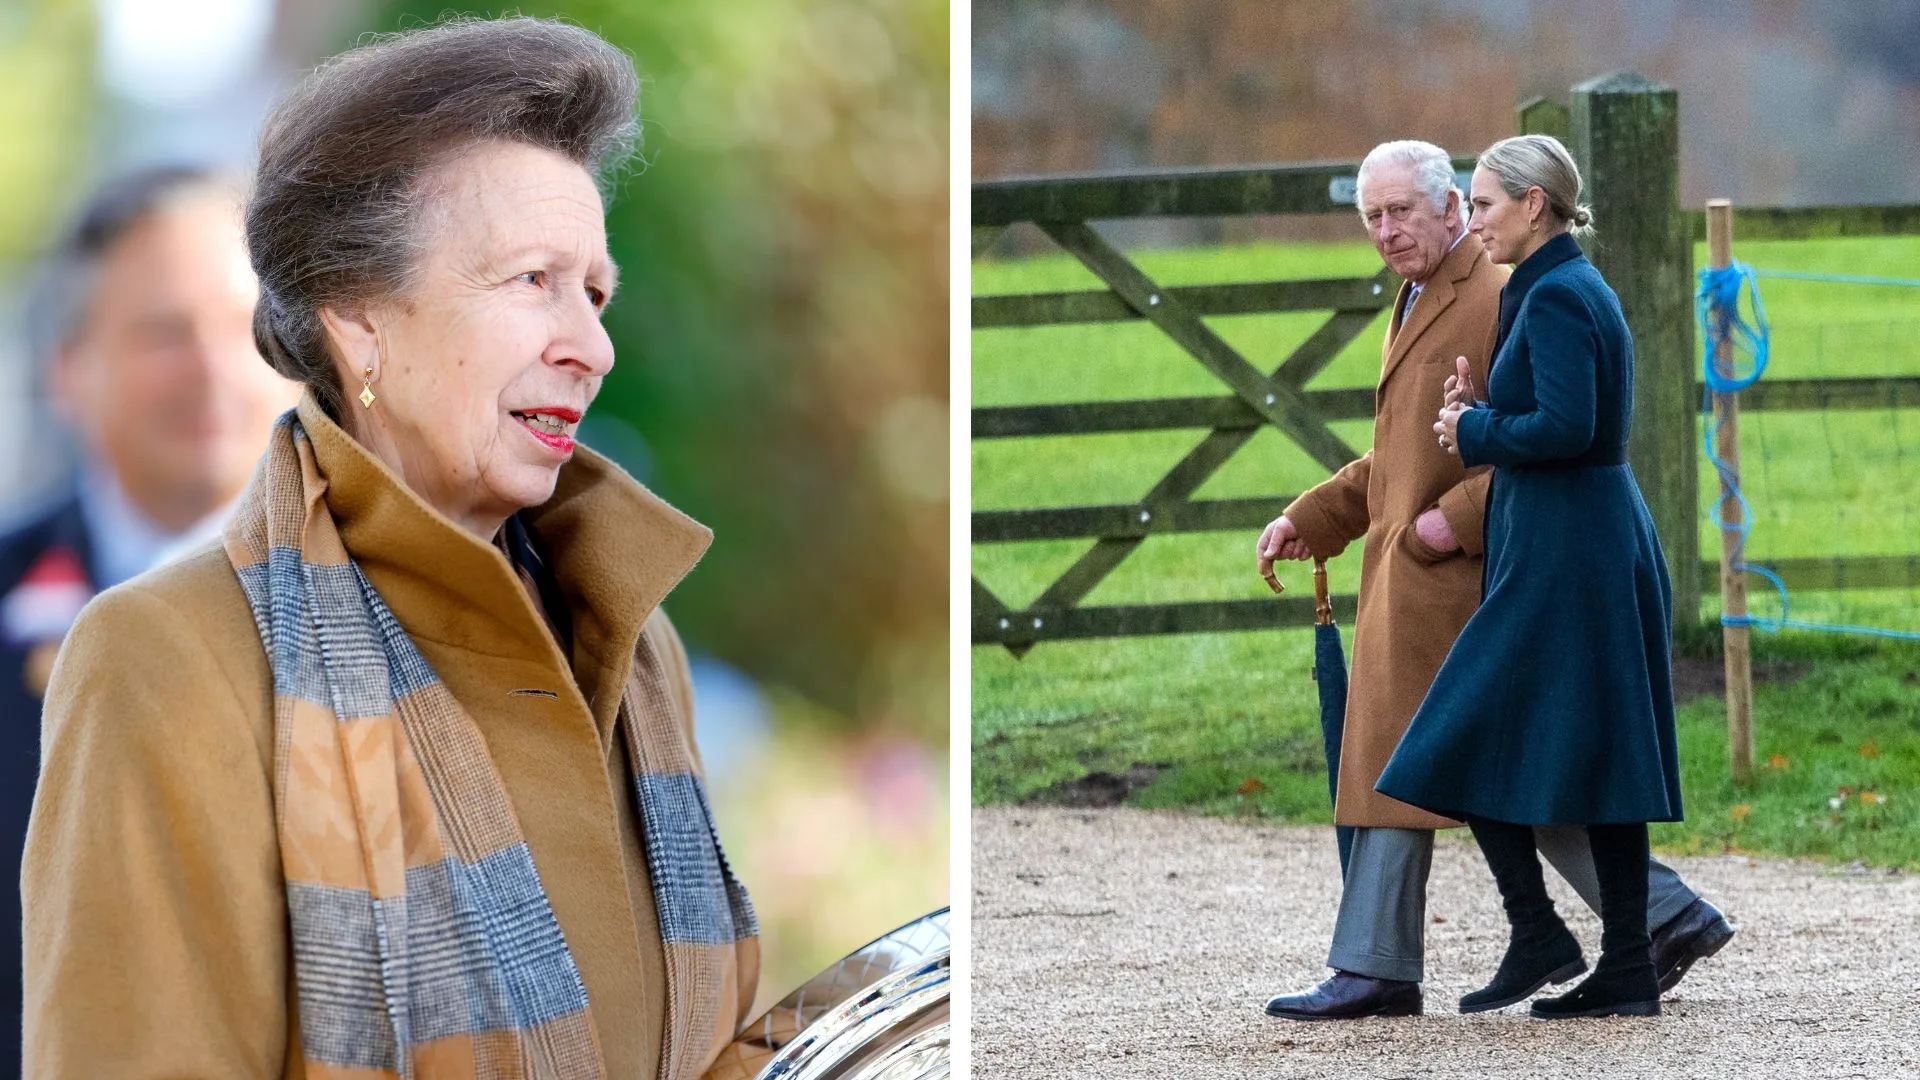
<point>1279,399</point>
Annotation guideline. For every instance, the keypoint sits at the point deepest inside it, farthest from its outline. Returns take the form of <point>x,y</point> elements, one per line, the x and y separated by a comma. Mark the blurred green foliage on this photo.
<point>781,331</point>
<point>46,94</point>
<point>839,840</point>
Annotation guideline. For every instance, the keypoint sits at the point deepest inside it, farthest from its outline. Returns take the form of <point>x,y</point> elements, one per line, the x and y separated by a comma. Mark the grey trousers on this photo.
<point>1381,929</point>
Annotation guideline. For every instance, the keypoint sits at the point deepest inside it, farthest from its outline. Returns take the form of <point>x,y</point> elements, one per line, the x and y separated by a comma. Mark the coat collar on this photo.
<point>1435,298</point>
<point>1560,249</point>
<point>617,550</point>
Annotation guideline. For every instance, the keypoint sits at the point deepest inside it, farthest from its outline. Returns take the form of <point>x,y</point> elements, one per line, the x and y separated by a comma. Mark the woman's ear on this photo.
<point>355,338</point>
<point>1536,205</point>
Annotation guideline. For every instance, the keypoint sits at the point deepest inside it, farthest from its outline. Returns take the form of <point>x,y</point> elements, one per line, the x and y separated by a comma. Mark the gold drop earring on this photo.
<point>366,389</point>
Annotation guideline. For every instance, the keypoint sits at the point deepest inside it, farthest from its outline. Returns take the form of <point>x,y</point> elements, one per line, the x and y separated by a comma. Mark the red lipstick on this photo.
<point>559,441</point>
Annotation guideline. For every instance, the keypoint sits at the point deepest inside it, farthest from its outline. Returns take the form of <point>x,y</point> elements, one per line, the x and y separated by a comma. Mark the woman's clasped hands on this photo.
<point>1459,399</point>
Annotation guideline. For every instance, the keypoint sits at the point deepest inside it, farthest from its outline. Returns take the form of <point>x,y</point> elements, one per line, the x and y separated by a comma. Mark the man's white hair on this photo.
<point>1432,170</point>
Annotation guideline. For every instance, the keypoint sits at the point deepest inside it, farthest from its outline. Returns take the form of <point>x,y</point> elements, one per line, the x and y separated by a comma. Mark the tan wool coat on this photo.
<point>1413,599</point>
<point>156,927</point>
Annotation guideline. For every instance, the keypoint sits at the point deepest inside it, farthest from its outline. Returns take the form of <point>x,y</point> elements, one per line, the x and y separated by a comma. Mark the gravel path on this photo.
<point>1122,943</point>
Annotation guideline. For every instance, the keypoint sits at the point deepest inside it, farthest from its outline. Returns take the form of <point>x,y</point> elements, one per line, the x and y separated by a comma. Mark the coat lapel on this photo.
<point>1434,300</point>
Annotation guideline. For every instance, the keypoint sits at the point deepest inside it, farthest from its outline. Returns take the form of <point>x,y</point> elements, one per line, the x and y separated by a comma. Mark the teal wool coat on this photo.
<point>1555,705</point>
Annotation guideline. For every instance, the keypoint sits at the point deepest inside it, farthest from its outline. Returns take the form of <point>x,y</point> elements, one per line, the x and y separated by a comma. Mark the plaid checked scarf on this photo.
<point>423,942</point>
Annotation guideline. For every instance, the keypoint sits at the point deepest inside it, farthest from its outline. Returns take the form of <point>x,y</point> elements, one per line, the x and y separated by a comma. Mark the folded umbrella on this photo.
<point>1330,676</point>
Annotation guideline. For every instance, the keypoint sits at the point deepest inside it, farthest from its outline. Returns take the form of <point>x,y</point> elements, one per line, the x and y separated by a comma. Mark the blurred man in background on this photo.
<point>144,325</point>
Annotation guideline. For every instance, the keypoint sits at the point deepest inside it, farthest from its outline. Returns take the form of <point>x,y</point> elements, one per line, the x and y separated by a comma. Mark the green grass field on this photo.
<point>1229,721</point>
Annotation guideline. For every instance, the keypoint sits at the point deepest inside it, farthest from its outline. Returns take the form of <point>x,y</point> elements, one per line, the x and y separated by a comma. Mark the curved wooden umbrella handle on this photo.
<point>1322,607</point>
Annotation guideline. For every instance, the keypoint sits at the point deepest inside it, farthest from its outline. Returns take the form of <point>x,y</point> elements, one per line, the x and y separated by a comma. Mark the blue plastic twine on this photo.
<point>1718,305</point>
<point>1719,300</point>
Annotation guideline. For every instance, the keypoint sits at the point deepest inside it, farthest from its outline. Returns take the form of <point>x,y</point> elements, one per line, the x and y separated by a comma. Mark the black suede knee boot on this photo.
<point>1623,982</point>
<point>1541,949</point>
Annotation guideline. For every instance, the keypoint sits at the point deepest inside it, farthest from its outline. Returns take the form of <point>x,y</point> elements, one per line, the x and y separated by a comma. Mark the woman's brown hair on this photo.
<point>335,217</point>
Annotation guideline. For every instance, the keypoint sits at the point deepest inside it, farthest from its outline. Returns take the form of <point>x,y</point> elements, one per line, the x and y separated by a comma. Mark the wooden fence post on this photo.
<point>1736,639</point>
<point>1626,139</point>
<point>1543,116</point>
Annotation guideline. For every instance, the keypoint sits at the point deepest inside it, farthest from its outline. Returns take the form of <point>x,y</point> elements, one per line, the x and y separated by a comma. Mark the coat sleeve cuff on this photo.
<point>1464,505</point>
<point>1316,527</point>
<point>1469,433</point>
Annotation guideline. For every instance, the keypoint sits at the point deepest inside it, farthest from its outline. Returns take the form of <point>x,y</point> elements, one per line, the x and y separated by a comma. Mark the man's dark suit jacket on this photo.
<point>39,557</point>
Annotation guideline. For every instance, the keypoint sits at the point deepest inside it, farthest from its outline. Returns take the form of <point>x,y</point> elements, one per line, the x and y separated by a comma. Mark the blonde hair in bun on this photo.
<point>1530,161</point>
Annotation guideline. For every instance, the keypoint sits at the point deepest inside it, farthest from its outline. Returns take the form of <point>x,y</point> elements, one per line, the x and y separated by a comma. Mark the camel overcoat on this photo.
<point>1413,599</point>
<point>157,940</point>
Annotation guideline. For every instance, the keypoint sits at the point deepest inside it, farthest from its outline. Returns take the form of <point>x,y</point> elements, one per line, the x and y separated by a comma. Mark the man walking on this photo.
<point>1420,514</point>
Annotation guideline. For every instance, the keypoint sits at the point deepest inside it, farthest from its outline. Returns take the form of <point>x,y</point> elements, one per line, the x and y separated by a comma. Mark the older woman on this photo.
<point>1555,705</point>
<point>400,778</point>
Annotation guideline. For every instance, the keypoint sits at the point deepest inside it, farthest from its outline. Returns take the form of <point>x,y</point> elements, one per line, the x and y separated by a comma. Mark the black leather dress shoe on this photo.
<point>1347,996</point>
<point>1699,931</point>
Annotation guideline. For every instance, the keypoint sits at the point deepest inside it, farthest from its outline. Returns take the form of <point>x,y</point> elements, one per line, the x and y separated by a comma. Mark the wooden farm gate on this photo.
<point>1624,131</point>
